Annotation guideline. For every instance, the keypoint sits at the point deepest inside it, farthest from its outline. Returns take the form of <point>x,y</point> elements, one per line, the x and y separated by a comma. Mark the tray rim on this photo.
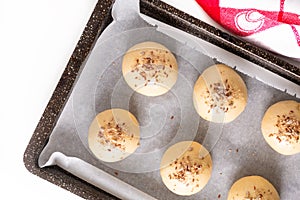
<point>98,21</point>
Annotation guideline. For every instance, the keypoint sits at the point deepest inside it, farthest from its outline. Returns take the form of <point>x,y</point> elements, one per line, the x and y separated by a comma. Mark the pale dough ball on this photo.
<point>220,94</point>
<point>281,127</point>
<point>149,68</point>
<point>253,188</point>
<point>186,168</point>
<point>113,135</point>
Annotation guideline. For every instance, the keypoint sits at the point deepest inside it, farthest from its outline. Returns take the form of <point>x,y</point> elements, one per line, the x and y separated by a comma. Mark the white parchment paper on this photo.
<point>238,148</point>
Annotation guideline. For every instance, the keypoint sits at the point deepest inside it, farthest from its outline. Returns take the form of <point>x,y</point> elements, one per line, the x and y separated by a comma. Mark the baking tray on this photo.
<point>98,21</point>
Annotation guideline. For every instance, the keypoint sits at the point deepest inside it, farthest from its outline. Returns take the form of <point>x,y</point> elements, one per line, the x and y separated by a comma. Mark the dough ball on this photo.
<point>253,188</point>
<point>149,68</point>
<point>186,168</point>
<point>220,94</point>
<point>281,127</point>
<point>113,135</point>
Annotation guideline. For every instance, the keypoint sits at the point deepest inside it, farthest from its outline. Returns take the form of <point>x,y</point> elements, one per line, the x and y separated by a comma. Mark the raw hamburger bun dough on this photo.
<point>281,127</point>
<point>149,68</point>
<point>113,135</point>
<point>220,94</point>
<point>186,168</point>
<point>253,188</point>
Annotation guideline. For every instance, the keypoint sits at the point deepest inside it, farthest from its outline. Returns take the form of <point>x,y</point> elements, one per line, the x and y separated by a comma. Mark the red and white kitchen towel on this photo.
<point>271,24</point>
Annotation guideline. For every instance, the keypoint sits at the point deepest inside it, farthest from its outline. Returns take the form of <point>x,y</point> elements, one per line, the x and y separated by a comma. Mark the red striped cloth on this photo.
<point>272,24</point>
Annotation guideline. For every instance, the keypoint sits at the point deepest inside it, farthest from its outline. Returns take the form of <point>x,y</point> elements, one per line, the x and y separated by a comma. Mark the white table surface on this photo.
<point>37,38</point>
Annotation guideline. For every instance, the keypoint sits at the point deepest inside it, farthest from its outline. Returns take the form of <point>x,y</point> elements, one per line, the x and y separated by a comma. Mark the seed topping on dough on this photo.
<point>288,128</point>
<point>114,134</point>
<point>220,97</point>
<point>257,194</point>
<point>152,66</point>
<point>187,171</point>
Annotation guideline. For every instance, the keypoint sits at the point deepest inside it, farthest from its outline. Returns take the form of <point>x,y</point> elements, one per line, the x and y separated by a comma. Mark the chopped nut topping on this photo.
<point>190,149</point>
<point>220,97</point>
<point>151,66</point>
<point>187,171</point>
<point>288,128</point>
<point>114,134</point>
<point>257,194</point>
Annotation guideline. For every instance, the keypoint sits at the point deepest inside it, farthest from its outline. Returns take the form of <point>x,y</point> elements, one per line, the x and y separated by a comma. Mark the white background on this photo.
<point>37,38</point>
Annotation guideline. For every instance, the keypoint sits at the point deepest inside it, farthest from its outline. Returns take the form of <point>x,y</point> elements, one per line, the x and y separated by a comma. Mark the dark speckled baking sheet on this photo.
<point>98,21</point>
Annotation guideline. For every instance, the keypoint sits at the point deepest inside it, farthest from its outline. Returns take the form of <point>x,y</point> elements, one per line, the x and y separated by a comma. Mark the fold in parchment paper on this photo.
<point>237,149</point>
